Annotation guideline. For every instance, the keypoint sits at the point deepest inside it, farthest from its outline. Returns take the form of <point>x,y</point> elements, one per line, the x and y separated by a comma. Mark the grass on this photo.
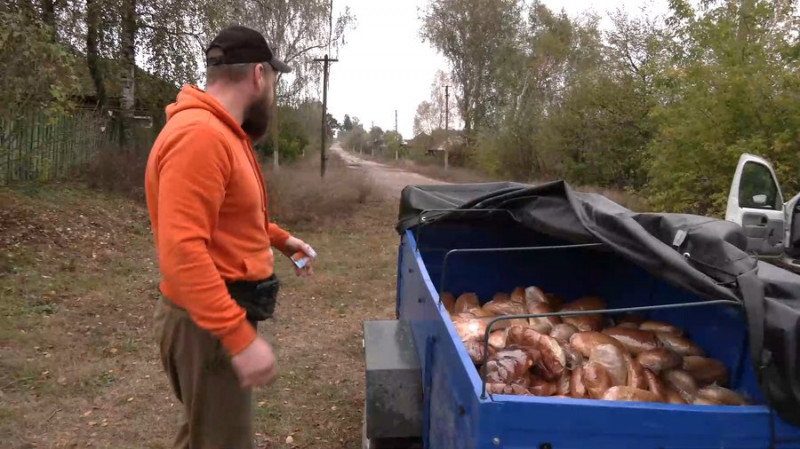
<point>300,197</point>
<point>78,283</point>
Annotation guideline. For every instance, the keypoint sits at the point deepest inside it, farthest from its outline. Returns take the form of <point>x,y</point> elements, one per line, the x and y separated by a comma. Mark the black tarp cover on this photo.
<point>703,255</point>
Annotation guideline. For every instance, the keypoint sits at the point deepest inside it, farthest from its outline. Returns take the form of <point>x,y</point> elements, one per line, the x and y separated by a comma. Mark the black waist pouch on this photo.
<point>257,298</point>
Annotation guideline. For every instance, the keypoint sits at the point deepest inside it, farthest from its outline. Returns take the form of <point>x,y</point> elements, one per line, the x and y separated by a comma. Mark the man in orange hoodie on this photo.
<point>208,211</point>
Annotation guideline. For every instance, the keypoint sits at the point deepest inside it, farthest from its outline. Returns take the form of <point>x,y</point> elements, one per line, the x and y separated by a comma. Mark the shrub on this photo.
<point>118,170</point>
<point>298,196</point>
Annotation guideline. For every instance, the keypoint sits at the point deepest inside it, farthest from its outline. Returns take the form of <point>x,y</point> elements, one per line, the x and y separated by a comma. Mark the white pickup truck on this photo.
<point>757,204</point>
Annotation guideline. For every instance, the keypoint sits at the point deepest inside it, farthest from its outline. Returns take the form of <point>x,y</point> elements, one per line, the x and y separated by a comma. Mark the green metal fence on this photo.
<point>37,147</point>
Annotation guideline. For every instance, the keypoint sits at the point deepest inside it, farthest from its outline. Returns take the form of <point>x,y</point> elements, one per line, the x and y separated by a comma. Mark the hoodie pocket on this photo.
<point>257,267</point>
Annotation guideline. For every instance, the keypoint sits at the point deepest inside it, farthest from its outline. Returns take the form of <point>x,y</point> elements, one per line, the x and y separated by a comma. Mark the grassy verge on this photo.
<point>298,196</point>
<point>78,363</point>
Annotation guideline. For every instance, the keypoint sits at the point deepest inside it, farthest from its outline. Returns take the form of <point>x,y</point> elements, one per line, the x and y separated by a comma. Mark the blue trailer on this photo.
<point>424,391</point>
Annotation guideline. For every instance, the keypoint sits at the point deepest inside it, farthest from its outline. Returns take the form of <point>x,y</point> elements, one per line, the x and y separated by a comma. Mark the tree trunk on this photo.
<point>743,31</point>
<point>92,57</point>
<point>128,71</point>
<point>27,8</point>
<point>49,15</point>
<point>273,131</point>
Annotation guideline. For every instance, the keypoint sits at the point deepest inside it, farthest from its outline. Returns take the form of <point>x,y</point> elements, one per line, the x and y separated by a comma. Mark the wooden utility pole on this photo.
<point>323,158</point>
<point>446,126</point>
<point>396,133</point>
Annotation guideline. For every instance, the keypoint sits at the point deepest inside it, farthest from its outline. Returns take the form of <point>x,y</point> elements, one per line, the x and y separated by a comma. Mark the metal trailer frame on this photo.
<point>456,411</point>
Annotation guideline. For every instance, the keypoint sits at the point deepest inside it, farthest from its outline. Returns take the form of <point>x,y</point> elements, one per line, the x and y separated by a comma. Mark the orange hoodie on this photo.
<point>208,211</point>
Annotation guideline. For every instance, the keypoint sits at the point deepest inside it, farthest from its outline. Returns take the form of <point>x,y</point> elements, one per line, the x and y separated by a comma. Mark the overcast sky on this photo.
<point>385,65</point>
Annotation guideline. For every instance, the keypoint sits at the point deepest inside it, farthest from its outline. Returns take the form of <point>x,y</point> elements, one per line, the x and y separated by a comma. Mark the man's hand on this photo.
<point>293,245</point>
<point>255,366</point>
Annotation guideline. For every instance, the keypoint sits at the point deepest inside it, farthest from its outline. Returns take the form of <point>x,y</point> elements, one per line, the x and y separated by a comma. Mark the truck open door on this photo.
<point>756,203</point>
<point>792,235</point>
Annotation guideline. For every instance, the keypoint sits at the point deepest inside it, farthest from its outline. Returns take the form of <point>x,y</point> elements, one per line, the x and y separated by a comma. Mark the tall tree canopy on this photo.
<point>660,105</point>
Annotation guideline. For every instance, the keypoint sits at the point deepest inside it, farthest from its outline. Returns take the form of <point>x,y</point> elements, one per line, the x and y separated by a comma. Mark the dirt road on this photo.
<point>389,180</point>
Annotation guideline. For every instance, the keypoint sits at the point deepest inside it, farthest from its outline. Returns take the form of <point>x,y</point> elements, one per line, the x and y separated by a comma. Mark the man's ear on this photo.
<point>258,77</point>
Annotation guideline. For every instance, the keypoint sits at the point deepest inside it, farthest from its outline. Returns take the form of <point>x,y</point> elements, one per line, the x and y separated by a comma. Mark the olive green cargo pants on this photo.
<point>217,411</point>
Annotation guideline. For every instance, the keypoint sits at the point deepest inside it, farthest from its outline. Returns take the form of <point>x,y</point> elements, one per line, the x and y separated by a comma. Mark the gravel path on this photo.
<point>389,180</point>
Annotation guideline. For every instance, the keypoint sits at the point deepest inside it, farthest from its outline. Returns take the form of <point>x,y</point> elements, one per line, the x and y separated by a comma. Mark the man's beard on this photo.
<point>256,119</point>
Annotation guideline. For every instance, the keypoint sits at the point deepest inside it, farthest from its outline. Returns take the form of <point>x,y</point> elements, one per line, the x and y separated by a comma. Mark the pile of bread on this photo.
<point>585,356</point>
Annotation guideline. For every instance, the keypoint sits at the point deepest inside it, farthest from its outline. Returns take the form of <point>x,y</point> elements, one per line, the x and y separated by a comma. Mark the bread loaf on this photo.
<point>705,371</point>
<point>681,382</point>
<point>658,326</point>
<point>625,393</point>
<point>611,358</point>
<point>635,370</point>
<point>563,331</point>
<point>655,385</point>
<point>635,341</point>
<point>679,344</point>
<point>584,342</point>
<point>585,323</point>
<point>449,302</point>
<point>720,395</point>
<point>596,380</point>
<point>660,359</point>
<point>467,302</point>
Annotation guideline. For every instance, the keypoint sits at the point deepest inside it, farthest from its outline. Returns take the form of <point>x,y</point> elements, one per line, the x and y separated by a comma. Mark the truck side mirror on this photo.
<point>760,199</point>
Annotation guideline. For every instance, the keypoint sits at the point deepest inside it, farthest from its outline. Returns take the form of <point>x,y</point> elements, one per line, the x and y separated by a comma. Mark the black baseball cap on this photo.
<point>242,45</point>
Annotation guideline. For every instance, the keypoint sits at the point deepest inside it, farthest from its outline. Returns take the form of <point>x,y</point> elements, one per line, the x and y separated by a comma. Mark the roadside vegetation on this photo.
<point>658,106</point>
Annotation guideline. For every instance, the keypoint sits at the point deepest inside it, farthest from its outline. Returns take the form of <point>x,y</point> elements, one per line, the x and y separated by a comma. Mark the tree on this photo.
<point>93,41</point>
<point>32,40</point>
<point>475,36</point>
<point>299,30</point>
<point>662,106</point>
<point>355,139</point>
<point>730,87</point>
<point>431,114</point>
<point>555,51</point>
<point>603,123</point>
<point>128,70</point>
<point>394,144</point>
<point>347,124</point>
<point>426,119</point>
<point>332,124</point>
<point>294,135</point>
<point>375,133</point>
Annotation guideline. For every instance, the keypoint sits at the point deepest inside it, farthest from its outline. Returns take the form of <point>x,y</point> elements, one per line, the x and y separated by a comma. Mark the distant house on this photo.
<point>151,93</point>
<point>441,143</point>
<point>378,144</point>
